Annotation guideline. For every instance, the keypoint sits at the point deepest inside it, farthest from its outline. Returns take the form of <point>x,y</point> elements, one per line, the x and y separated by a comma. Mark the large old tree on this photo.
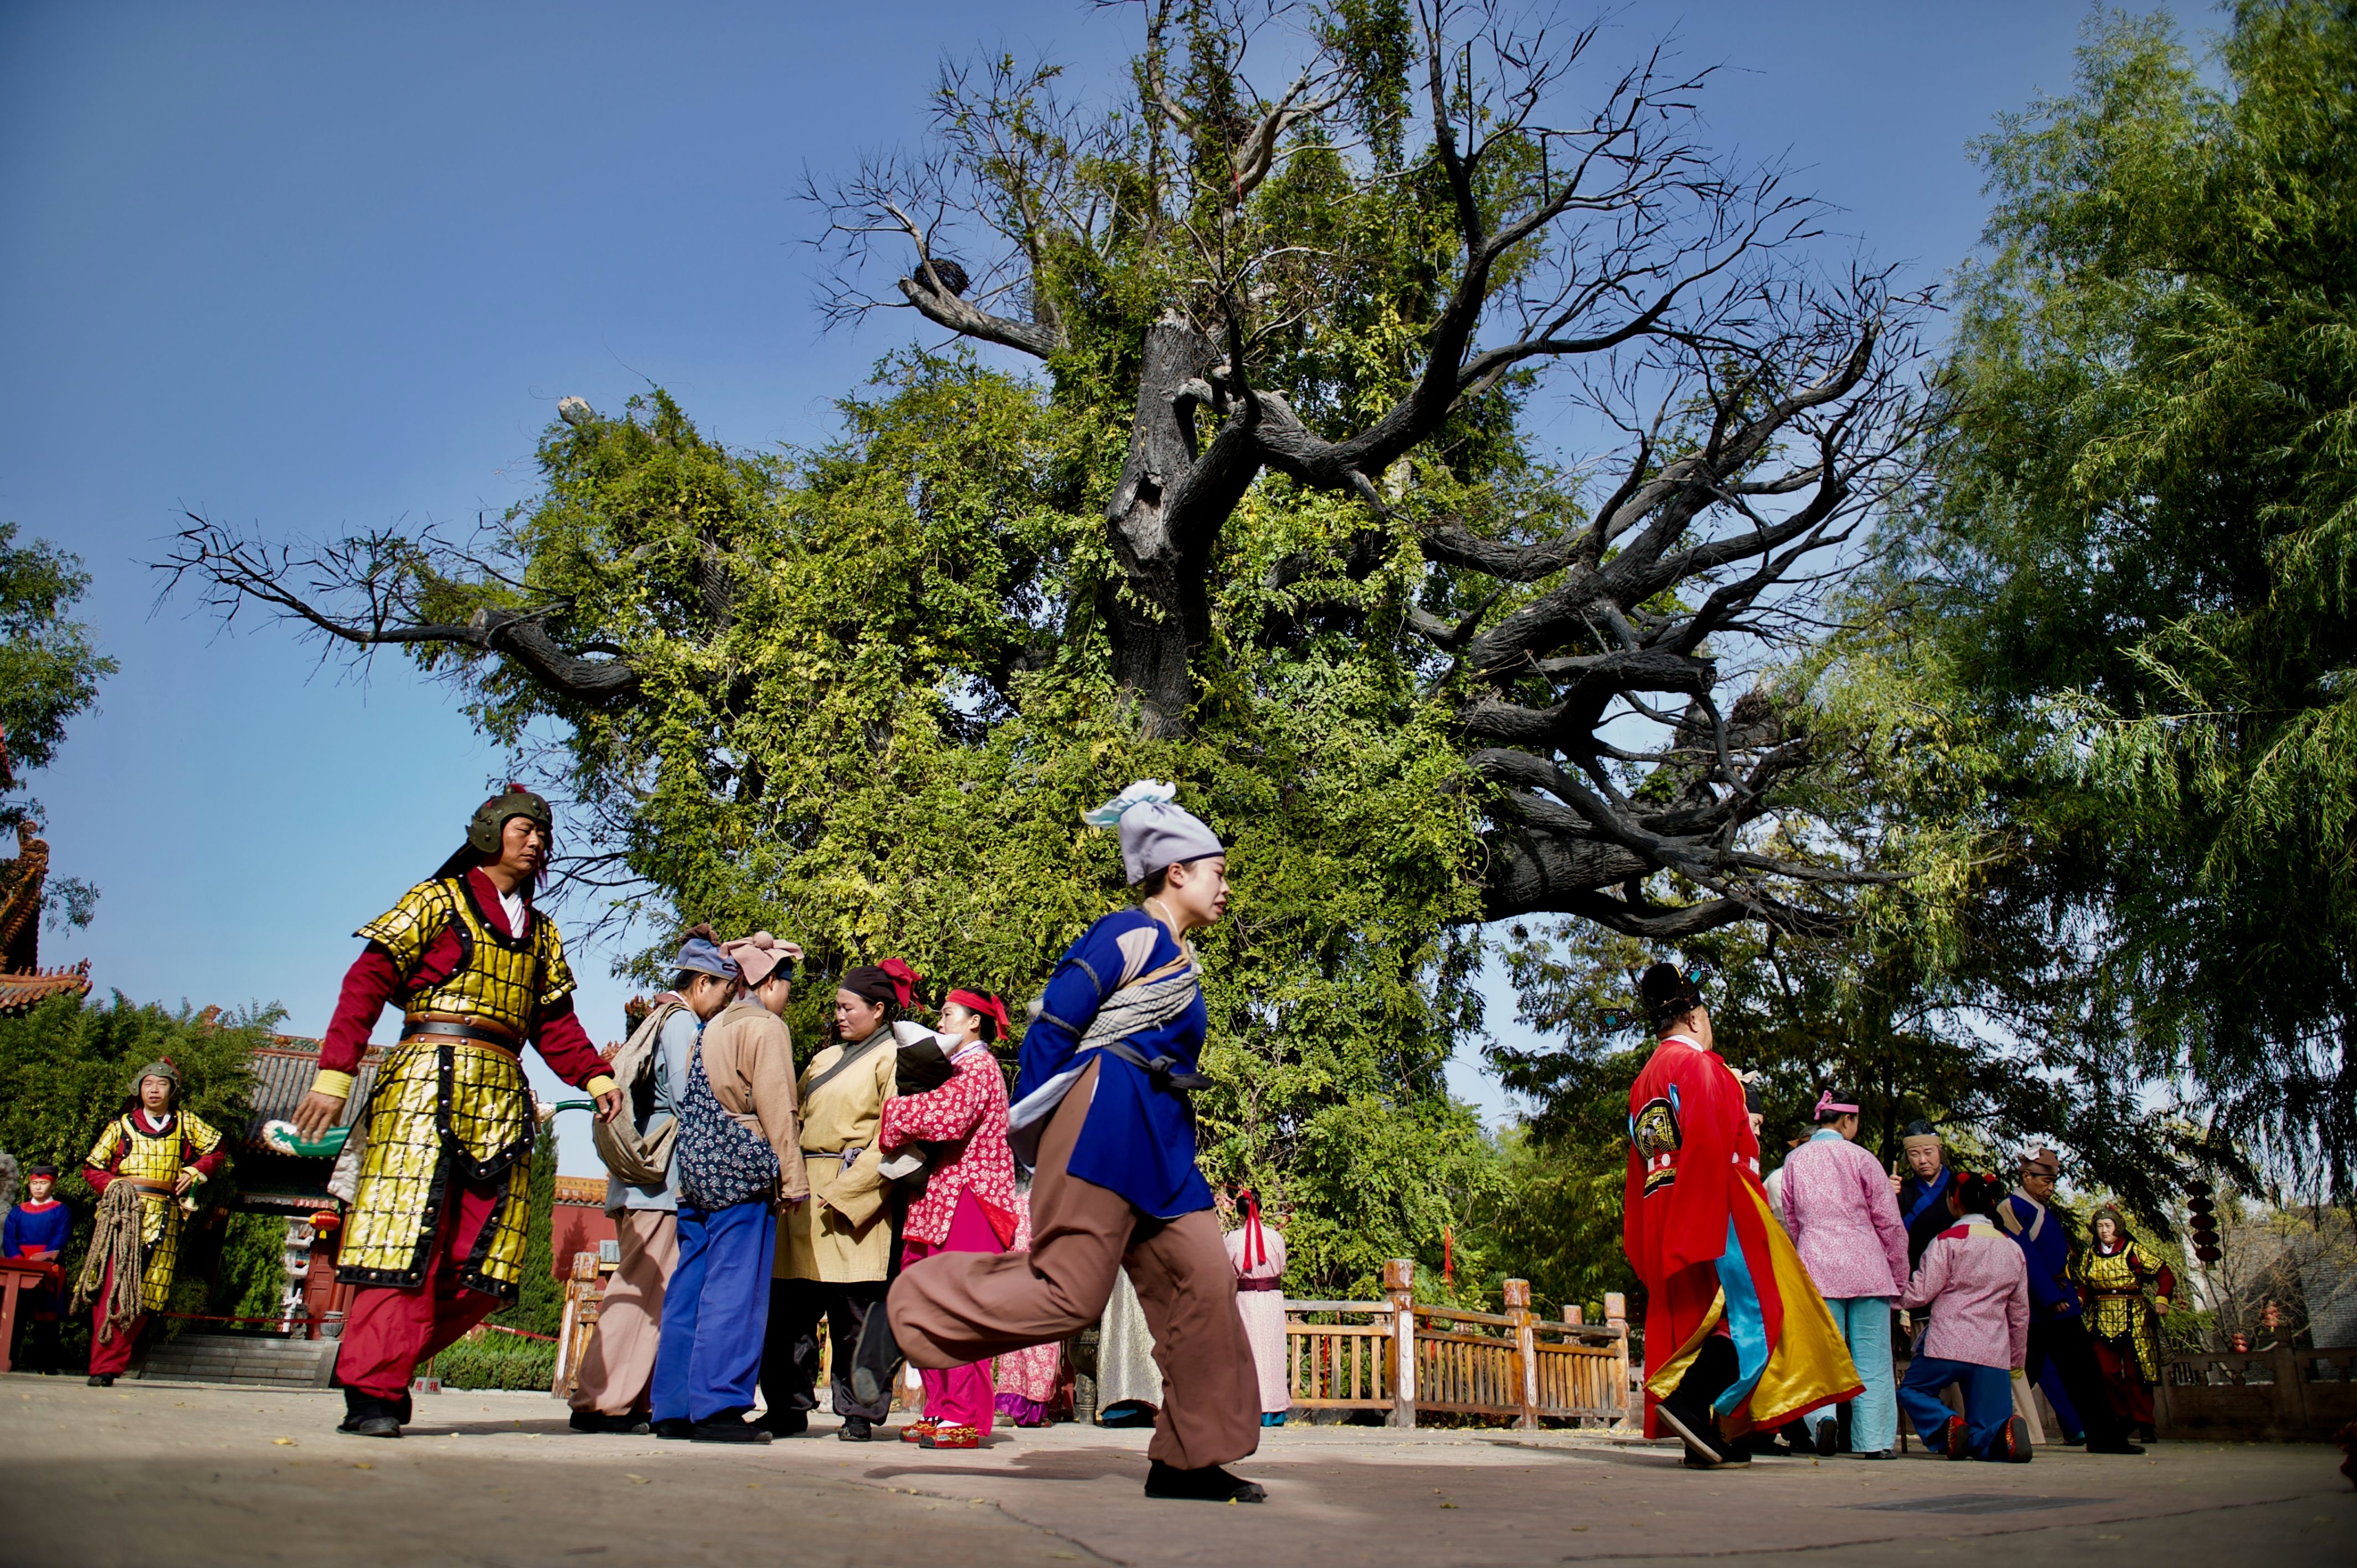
<point>1404,435</point>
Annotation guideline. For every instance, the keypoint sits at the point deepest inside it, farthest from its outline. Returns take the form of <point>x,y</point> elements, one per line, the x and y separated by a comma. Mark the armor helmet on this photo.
<point>490,818</point>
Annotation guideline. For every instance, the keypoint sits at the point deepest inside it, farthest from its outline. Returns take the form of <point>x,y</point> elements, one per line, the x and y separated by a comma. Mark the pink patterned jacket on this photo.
<point>1844,1219</point>
<point>967,1115</point>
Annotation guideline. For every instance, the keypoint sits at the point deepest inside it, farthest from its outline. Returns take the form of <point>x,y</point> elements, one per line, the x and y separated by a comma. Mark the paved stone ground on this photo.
<point>152,1476</point>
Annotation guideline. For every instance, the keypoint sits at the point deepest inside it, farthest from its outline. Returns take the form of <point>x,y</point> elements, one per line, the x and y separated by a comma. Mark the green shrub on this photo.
<point>495,1361</point>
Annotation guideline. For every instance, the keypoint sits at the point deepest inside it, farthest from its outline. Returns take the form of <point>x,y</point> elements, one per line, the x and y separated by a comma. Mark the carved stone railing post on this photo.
<point>1399,1285</point>
<point>1526,1350</point>
<point>1616,1317</point>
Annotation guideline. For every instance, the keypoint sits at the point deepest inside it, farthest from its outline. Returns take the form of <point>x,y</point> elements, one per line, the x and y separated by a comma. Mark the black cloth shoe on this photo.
<point>1705,1449</point>
<point>1828,1438</point>
<point>782,1423</point>
<point>102,1380</point>
<point>728,1429</point>
<point>678,1427</point>
<point>875,1360</point>
<point>1208,1485</point>
<point>858,1428</point>
<point>598,1421</point>
<point>368,1416</point>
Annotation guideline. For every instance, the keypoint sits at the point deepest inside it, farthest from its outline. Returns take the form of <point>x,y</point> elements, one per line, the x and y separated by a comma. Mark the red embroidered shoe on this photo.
<point>1955,1438</point>
<point>918,1430</point>
<point>950,1434</point>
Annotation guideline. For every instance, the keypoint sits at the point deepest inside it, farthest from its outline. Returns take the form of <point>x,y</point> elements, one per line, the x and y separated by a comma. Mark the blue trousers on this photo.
<point>1865,1323</point>
<point>1988,1400</point>
<point>715,1310</point>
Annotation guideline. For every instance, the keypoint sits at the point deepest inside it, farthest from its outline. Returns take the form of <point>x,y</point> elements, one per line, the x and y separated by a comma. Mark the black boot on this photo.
<point>365,1415</point>
<point>728,1428</point>
<point>877,1358</point>
<point>858,1429</point>
<point>1208,1485</point>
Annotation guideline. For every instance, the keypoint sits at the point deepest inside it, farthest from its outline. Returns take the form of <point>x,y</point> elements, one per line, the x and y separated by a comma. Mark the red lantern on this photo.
<point>325,1222</point>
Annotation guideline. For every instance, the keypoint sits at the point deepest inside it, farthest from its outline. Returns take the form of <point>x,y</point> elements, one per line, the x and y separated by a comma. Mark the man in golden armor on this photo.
<point>436,1237</point>
<point>2113,1271</point>
<point>160,1151</point>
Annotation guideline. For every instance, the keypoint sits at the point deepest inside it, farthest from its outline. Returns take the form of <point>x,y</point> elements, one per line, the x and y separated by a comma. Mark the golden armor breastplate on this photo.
<point>499,980</point>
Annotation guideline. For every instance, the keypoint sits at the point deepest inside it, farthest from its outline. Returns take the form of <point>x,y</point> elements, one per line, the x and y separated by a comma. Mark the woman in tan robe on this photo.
<point>834,1252</point>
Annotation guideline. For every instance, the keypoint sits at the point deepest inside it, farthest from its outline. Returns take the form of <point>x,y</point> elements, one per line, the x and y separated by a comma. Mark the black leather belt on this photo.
<point>438,1027</point>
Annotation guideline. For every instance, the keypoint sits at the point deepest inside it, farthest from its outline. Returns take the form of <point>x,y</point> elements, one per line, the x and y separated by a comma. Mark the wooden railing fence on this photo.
<point>1401,1358</point>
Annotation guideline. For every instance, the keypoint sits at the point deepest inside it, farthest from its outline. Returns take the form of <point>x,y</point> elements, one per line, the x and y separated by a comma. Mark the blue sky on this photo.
<point>313,268</point>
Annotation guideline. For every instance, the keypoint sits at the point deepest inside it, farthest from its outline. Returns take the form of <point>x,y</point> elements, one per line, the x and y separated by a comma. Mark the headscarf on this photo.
<point>1255,1239</point>
<point>1919,1134</point>
<point>1829,1109</point>
<point>984,1003</point>
<point>890,981</point>
<point>759,956</point>
<point>700,955</point>
<point>1154,832</point>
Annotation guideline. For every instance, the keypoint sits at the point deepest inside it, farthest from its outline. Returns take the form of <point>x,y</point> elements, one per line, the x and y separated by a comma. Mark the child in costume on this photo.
<point>36,1232</point>
<point>1976,1284</point>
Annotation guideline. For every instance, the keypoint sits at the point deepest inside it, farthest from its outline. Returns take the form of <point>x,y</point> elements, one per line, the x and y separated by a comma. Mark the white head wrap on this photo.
<point>1154,832</point>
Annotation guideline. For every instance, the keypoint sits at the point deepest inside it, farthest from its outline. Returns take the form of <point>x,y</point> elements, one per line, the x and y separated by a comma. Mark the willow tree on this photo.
<point>1221,454</point>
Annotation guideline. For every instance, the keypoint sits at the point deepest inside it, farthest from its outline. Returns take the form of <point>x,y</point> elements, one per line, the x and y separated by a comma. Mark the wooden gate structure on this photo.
<point>1511,1365</point>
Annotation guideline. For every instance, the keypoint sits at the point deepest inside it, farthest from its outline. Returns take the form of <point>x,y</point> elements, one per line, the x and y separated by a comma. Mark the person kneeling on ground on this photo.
<point>1977,1284</point>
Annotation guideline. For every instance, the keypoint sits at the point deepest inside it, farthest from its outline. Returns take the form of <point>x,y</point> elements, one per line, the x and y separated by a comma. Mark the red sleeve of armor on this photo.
<point>368,984</point>
<point>565,1045</point>
<point>211,1164</point>
<point>2167,1280</point>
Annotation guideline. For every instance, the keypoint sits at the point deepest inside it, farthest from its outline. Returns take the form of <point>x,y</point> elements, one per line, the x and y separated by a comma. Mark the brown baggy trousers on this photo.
<point>956,1307</point>
<point>619,1371</point>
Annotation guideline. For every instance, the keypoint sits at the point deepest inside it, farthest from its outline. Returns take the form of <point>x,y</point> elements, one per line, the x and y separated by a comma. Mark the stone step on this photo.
<point>240,1358</point>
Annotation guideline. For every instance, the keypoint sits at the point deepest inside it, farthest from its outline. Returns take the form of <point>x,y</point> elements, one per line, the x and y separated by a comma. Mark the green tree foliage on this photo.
<point>2137,564</point>
<point>49,671</point>
<point>1263,515</point>
<point>69,1063</point>
<point>540,1301</point>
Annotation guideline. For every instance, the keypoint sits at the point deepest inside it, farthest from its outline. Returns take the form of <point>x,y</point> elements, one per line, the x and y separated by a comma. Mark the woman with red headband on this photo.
<point>1844,1221</point>
<point>968,1205</point>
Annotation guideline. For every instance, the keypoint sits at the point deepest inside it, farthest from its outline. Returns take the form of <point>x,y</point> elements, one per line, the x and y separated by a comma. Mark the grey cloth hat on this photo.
<point>698,954</point>
<point>1154,832</point>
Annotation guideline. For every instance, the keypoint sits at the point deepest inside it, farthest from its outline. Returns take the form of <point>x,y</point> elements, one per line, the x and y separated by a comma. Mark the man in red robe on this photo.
<point>1734,1336</point>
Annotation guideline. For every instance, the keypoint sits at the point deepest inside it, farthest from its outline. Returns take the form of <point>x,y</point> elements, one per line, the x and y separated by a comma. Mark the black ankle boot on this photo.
<point>1208,1485</point>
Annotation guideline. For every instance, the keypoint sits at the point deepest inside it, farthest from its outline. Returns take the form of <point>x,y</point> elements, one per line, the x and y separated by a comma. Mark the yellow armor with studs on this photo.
<point>452,1102</point>
<point>153,1163</point>
<point>2117,1309</point>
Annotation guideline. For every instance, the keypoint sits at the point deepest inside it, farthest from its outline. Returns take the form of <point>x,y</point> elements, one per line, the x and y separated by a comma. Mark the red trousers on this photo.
<point>2124,1383</point>
<point>389,1331</point>
<point>111,1358</point>
<point>961,1396</point>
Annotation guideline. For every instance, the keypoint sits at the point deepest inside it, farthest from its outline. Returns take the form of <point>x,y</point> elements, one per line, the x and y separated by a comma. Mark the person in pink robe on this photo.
<point>1257,1251</point>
